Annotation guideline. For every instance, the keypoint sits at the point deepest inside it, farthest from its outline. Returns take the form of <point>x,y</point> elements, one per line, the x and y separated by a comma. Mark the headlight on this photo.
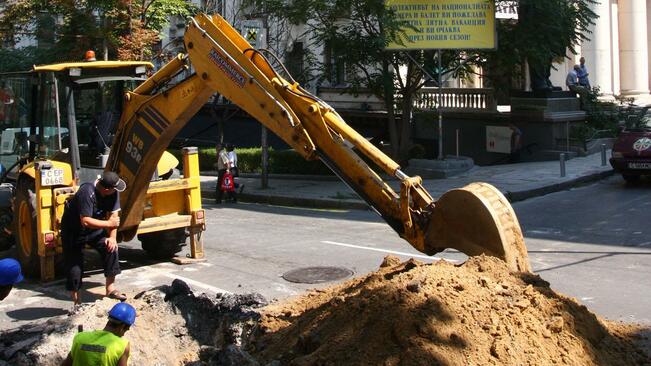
<point>617,155</point>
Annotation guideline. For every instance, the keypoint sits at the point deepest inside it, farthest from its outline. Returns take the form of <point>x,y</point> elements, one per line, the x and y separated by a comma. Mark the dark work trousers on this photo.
<point>220,179</point>
<point>73,254</point>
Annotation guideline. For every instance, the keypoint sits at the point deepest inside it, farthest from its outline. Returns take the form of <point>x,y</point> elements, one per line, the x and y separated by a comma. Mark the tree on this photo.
<point>356,32</point>
<point>127,29</point>
<point>353,35</point>
<point>545,31</point>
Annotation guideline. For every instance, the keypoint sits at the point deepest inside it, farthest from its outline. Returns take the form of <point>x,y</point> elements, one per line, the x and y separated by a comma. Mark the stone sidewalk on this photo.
<point>517,182</point>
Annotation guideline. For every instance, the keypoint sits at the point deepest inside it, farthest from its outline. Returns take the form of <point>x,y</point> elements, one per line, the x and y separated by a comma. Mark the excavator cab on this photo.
<point>65,112</point>
<point>58,125</point>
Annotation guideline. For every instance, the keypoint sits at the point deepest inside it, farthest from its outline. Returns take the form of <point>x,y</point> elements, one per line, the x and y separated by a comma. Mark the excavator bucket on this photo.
<point>477,219</point>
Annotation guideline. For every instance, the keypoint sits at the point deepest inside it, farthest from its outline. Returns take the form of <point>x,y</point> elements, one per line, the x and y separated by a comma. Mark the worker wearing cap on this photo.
<point>104,347</point>
<point>9,276</point>
<point>92,217</point>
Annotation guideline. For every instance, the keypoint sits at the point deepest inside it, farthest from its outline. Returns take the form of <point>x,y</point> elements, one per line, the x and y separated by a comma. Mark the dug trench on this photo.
<point>405,313</point>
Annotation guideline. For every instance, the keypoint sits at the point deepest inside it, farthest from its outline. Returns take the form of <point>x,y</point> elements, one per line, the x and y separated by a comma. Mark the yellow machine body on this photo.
<point>474,219</point>
<point>43,186</point>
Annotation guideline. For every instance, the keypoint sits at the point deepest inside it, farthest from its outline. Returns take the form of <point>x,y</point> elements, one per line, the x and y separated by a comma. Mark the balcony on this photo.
<point>507,10</point>
<point>457,99</point>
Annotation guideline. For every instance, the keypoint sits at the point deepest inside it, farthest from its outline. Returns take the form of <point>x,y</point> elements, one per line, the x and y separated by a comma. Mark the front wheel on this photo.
<point>631,178</point>
<point>24,227</point>
<point>163,244</point>
<point>6,229</point>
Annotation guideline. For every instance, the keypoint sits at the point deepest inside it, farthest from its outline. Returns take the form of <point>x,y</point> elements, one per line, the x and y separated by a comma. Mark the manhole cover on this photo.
<point>317,274</point>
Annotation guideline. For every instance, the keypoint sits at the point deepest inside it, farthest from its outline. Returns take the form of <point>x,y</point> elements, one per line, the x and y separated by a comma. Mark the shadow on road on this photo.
<point>350,215</point>
<point>35,313</point>
<point>597,256</point>
<point>610,212</point>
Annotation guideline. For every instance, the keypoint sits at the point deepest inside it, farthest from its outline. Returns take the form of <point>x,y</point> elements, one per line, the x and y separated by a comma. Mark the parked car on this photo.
<point>631,155</point>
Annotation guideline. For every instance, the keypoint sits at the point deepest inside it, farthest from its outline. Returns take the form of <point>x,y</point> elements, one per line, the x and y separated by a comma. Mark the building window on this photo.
<point>213,6</point>
<point>335,67</point>
<point>295,62</point>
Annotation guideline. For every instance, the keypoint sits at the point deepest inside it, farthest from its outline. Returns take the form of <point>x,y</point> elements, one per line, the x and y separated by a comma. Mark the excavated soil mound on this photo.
<point>441,314</point>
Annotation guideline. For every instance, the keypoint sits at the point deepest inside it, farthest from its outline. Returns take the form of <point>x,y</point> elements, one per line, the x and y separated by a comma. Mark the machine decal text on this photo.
<point>227,67</point>
<point>136,146</point>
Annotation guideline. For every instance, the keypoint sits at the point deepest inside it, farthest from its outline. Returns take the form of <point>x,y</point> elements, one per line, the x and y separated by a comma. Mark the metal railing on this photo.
<point>463,99</point>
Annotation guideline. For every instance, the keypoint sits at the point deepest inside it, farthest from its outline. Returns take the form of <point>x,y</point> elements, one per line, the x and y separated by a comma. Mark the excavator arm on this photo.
<point>476,219</point>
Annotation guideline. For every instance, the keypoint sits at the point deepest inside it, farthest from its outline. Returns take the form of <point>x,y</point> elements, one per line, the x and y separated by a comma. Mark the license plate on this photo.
<point>639,165</point>
<point>52,177</point>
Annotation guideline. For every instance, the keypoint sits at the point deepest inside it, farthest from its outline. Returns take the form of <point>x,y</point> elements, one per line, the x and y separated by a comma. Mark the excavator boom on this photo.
<point>475,219</point>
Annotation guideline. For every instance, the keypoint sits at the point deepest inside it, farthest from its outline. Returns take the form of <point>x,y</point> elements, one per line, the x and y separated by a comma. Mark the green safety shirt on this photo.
<point>97,348</point>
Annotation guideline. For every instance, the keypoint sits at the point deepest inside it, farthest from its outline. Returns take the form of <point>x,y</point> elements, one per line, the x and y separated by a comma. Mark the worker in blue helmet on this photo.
<point>10,275</point>
<point>104,347</point>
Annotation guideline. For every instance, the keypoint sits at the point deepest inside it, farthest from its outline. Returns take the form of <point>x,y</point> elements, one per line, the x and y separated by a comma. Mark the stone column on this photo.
<point>614,46</point>
<point>597,51</point>
<point>634,58</point>
<point>648,24</point>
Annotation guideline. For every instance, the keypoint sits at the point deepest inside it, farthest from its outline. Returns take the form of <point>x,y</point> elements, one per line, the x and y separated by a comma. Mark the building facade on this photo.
<point>617,54</point>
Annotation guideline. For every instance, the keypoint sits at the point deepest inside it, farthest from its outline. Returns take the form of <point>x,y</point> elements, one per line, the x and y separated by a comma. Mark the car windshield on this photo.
<point>639,121</point>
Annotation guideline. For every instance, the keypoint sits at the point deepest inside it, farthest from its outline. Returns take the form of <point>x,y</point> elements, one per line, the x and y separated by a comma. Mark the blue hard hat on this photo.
<point>124,313</point>
<point>10,272</point>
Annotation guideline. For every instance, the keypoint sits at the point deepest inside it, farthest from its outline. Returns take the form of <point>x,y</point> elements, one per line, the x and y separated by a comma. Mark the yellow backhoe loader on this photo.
<point>476,219</point>
<point>58,123</point>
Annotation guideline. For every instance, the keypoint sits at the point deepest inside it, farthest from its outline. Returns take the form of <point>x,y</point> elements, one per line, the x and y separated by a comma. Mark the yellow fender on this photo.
<point>166,163</point>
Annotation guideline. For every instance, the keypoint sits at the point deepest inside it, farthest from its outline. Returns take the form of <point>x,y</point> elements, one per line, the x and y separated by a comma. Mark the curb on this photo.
<point>296,201</point>
<point>563,186</point>
<point>322,178</point>
<point>515,196</point>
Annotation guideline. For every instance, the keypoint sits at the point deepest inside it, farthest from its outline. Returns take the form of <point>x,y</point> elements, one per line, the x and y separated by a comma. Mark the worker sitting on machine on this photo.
<point>92,217</point>
<point>104,347</point>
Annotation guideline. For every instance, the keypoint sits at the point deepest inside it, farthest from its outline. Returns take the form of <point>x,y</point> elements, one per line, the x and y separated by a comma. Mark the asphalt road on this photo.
<point>592,243</point>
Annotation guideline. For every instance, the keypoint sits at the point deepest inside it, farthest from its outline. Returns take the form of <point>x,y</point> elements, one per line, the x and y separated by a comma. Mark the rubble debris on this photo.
<point>171,326</point>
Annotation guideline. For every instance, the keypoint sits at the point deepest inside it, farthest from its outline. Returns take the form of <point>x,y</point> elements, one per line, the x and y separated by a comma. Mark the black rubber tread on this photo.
<point>163,244</point>
<point>31,264</point>
<point>631,178</point>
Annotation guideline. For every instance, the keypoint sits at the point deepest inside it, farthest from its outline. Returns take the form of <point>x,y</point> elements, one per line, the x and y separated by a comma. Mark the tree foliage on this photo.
<point>127,29</point>
<point>354,33</point>
<point>544,32</point>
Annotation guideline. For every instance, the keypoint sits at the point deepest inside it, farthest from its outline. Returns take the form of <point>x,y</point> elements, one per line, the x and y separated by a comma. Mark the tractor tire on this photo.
<point>631,178</point>
<point>163,244</point>
<point>24,228</point>
<point>6,229</point>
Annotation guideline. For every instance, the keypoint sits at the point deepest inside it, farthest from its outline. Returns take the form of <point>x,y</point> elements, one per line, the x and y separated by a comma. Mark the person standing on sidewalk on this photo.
<point>10,274</point>
<point>92,217</point>
<point>222,166</point>
<point>104,347</point>
<point>235,172</point>
<point>582,74</point>
<point>516,144</point>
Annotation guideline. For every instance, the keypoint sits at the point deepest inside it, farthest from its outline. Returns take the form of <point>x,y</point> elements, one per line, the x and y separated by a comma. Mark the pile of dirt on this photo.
<point>412,313</point>
<point>406,313</point>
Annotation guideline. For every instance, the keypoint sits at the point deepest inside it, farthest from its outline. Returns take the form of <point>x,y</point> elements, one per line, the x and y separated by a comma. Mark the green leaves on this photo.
<point>545,30</point>
<point>127,28</point>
